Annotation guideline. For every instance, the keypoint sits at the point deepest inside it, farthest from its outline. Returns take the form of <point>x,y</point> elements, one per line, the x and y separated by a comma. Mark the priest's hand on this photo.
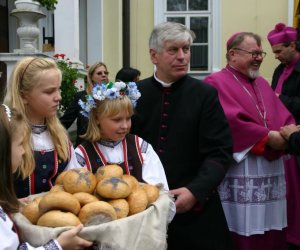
<point>185,200</point>
<point>276,140</point>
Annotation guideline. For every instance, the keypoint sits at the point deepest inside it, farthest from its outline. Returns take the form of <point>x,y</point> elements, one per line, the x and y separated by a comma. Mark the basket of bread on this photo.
<point>117,211</point>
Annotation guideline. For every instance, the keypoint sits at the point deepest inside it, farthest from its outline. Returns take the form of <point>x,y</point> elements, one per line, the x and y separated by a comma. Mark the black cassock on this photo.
<point>187,128</point>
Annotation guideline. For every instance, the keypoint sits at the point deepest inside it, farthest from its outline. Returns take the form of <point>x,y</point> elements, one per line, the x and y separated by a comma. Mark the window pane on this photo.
<point>176,20</point>
<point>198,4</point>
<point>176,5</point>
<point>199,58</point>
<point>200,26</point>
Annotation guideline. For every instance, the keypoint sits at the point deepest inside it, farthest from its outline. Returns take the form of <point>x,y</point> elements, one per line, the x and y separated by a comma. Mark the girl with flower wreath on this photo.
<point>34,90</point>
<point>109,108</point>
<point>12,126</point>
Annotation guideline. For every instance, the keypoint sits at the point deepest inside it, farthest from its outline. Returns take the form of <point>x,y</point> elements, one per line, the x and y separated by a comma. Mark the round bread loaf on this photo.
<point>60,177</point>
<point>108,171</point>
<point>113,188</point>
<point>131,181</point>
<point>151,191</point>
<point>137,201</point>
<point>121,207</point>
<point>31,210</point>
<point>97,212</point>
<point>56,218</point>
<point>79,180</point>
<point>85,198</point>
<point>59,200</point>
<point>56,188</point>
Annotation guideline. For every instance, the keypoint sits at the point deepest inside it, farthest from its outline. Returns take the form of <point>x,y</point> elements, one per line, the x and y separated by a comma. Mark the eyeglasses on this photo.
<point>102,73</point>
<point>254,54</point>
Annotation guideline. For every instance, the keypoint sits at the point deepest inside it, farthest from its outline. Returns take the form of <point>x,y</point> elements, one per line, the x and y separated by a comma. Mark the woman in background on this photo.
<point>97,73</point>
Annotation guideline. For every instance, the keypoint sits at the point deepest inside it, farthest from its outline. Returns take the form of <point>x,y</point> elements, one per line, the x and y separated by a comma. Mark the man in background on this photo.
<point>286,84</point>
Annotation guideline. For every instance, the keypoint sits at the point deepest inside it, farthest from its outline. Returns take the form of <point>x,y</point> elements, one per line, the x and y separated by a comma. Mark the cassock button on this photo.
<point>43,152</point>
<point>44,181</point>
<point>44,166</point>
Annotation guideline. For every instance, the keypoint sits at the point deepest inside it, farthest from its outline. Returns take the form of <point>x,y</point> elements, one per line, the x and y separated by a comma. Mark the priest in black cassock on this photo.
<point>184,121</point>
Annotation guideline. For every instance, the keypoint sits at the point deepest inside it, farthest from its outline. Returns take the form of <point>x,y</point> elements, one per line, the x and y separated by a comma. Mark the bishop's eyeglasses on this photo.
<point>254,54</point>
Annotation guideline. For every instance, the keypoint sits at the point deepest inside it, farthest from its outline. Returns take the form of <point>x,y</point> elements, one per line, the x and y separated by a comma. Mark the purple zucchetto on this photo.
<point>282,34</point>
<point>232,38</point>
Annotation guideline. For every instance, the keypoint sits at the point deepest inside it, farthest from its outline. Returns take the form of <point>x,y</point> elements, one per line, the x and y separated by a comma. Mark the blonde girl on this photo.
<point>34,90</point>
<point>12,126</point>
<point>108,140</point>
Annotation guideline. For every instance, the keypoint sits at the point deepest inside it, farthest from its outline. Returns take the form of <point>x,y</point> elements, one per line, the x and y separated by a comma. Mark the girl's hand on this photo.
<point>69,240</point>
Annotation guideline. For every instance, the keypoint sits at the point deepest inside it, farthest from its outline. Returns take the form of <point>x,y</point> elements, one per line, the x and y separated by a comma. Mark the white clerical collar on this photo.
<point>164,84</point>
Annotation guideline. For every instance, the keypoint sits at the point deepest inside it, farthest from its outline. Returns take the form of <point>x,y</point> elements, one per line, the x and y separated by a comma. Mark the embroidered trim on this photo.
<point>101,156</point>
<point>54,170</point>
<point>124,143</point>
<point>110,144</point>
<point>23,246</point>
<point>80,160</point>
<point>51,245</point>
<point>2,214</point>
<point>7,111</point>
<point>138,148</point>
<point>31,184</point>
<point>252,190</point>
<point>144,146</point>
<point>38,129</point>
<point>87,160</point>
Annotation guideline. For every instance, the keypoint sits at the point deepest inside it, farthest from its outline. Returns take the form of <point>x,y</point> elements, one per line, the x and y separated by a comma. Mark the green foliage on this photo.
<point>48,4</point>
<point>69,78</point>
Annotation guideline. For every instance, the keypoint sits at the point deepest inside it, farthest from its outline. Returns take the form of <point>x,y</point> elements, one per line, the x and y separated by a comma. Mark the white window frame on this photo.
<point>214,33</point>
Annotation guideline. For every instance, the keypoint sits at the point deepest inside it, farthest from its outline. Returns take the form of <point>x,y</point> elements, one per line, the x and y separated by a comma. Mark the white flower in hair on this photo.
<point>99,92</point>
<point>120,85</point>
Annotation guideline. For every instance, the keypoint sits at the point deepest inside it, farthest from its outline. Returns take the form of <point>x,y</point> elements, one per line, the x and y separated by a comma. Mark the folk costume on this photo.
<point>186,126</point>
<point>47,164</point>
<point>9,238</point>
<point>286,83</point>
<point>253,191</point>
<point>133,154</point>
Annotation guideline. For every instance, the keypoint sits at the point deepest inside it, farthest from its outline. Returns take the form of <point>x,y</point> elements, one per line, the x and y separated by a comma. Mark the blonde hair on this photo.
<point>103,109</point>
<point>91,71</point>
<point>24,78</point>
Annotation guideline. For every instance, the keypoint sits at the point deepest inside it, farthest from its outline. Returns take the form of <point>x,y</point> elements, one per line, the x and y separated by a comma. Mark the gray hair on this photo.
<point>236,39</point>
<point>170,31</point>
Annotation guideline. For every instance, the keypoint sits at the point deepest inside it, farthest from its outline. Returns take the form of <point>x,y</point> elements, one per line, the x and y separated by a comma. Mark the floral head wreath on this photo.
<point>109,91</point>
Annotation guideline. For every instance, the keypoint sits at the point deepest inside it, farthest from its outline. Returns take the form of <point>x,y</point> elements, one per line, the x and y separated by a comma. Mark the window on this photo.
<point>201,17</point>
<point>195,14</point>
